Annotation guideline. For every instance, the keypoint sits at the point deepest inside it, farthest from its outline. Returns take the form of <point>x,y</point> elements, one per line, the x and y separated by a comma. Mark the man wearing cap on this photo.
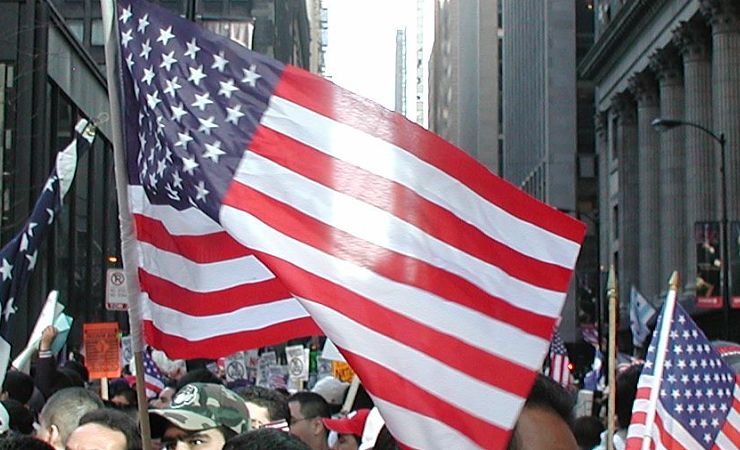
<point>202,416</point>
<point>349,429</point>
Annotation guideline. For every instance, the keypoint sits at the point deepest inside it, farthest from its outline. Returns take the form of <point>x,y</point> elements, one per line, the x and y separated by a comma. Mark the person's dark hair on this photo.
<point>275,402</point>
<point>67,378</point>
<point>17,442</point>
<point>126,392</point>
<point>626,392</point>
<point>118,421</point>
<point>21,419</point>
<point>198,376</point>
<point>548,395</point>
<point>312,404</point>
<point>587,430</point>
<point>385,440</point>
<point>265,439</point>
<point>79,368</point>
<point>65,407</point>
<point>18,385</point>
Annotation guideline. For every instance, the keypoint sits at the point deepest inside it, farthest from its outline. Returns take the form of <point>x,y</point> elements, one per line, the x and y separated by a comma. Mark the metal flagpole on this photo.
<point>665,329</point>
<point>612,357</point>
<point>128,249</point>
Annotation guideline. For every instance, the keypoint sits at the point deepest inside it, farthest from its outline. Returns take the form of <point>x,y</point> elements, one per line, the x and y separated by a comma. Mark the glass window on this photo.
<point>77,27</point>
<point>97,37</point>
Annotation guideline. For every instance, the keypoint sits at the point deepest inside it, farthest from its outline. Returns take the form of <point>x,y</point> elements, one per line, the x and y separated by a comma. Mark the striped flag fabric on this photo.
<point>559,364</point>
<point>439,282</point>
<point>152,376</point>
<point>697,394</point>
<point>641,313</point>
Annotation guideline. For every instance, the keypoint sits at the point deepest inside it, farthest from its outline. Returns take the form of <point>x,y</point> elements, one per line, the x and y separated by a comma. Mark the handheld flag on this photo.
<point>152,376</point>
<point>439,282</point>
<point>641,312</point>
<point>559,368</point>
<point>19,256</point>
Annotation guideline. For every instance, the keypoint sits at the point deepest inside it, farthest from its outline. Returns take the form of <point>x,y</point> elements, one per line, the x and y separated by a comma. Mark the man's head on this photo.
<point>265,439</point>
<point>264,405</point>
<point>544,423</point>
<point>105,429</point>
<point>18,386</point>
<point>306,411</point>
<point>349,429</point>
<point>202,416</point>
<point>62,412</point>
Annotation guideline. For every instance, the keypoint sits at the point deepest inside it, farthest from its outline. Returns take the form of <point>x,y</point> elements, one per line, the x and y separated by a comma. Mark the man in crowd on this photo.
<point>62,412</point>
<point>266,406</point>
<point>349,429</point>
<point>307,409</point>
<point>202,416</point>
<point>105,429</point>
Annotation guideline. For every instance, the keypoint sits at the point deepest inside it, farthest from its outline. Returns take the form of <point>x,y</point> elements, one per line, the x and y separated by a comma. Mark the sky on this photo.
<point>361,51</point>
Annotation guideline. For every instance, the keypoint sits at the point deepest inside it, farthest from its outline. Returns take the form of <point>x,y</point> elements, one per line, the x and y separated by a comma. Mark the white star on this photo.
<point>172,87</point>
<point>219,62</point>
<point>227,88</point>
<point>125,14</point>
<point>136,90</point>
<point>201,101</point>
<point>9,309</point>
<point>50,212</point>
<point>165,35</point>
<point>171,193</point>
<point>130,62</point>
<point>168,60</point>
<point>189,165</point>
<point>202,191</point>
<point>251,76</point>
<point>193,49</point>
<point>196,74</point>
<point>145,49</point>
<point>31,226</point>
<point>677,349</point>
<point>176,180</point>
<point>183,140</point>
<point>153,99</point>
<point>678,408</point>
<point>681,319</point>
<point>148,76</point>
<point>143,23</point>
<point>161,166</point>
<point>206,125</point>
<point>32,260</point>
<point>178,111</point>
<point>692,423</point>
<point>6,270</point>
<point>707,438</point>
<point>49,186</point>
<point>213,151</point>
<point>24,243</point>
<point>234,114</point>
<point>126,37</point>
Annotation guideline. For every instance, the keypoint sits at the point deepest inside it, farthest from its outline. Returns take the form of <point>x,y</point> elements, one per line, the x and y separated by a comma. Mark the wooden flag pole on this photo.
<point>613,295</point>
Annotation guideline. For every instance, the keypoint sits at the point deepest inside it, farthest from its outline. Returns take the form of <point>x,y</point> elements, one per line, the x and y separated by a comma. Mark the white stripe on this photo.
<point>389,161</point>
<point>418,431</point>
<point>196,328</point>
<point>674,428</point>
<point>381,228</point>
<point>206,277</point>
<point>732,420</point>
<point>470,326</point>
<point>724,443</point>
<point>191,221</point>
<point>456,387</point>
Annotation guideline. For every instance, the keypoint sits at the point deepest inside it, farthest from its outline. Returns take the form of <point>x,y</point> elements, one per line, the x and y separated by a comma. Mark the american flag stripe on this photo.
<point>729,434</point>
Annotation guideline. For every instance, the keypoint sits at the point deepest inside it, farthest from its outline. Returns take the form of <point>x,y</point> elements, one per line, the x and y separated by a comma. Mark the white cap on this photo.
<point>373,425</point>
<point>331,389</point>
<point>4,419</point>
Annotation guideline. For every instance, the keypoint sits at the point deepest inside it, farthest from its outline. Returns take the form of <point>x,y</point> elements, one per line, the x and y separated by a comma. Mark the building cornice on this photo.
<point>617,36</point>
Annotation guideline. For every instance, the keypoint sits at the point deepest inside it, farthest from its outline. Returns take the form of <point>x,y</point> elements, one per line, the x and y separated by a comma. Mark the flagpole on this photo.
<point>612,357</point>
<point>660,352</point>
<point>128,249</point>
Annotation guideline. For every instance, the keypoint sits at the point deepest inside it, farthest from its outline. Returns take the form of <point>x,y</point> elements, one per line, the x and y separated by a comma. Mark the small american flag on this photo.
<point>19,256</point>
<point>559,368</point>
<point>439,282</point>
<point>698,404</point>
<point>152,376</point>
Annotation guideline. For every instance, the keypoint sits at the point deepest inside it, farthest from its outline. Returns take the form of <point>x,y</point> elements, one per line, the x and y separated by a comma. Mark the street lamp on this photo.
<point>662,125</point>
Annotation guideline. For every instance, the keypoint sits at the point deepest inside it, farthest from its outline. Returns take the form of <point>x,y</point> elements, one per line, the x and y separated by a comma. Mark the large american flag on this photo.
<point>18,258</point>
<point>439,282</point>
<point>698,404</point>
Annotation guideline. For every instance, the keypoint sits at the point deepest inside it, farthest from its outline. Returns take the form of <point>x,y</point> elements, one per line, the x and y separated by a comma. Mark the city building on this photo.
<point>660,194</point>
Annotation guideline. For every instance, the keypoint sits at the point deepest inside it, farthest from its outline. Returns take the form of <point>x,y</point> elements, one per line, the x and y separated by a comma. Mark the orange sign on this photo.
<point>342,371</point>
<point>102,357</point>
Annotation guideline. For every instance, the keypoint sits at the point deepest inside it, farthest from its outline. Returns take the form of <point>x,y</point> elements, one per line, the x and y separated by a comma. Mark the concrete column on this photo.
<point>602,152</point>
<point>668,66</point>
<point>724,17</point>
<point>693,40</point>
<point>625,110</point>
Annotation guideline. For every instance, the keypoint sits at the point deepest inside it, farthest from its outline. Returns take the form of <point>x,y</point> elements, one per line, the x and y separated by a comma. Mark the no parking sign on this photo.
<point>116,295</point>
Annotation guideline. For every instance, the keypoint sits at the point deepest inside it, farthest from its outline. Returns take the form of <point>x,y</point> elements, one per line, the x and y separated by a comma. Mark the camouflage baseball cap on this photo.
<point>200,406</point>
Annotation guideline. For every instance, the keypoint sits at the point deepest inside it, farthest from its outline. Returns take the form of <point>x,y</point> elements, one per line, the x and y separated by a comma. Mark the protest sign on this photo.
<point>102,355</point>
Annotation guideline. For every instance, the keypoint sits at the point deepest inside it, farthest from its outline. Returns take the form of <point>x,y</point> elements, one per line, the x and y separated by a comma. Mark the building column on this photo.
<point>602,153</point>
<point>625,110</point>
<point>668,66</point>
<point>724,17</point>
<point>644,87</point>
<point>693,40</point>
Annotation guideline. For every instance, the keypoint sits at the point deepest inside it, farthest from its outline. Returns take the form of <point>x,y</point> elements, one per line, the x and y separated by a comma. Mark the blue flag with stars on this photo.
<point>19,256</point>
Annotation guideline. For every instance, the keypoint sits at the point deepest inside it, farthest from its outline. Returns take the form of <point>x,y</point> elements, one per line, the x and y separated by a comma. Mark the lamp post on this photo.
<point>661,125</point>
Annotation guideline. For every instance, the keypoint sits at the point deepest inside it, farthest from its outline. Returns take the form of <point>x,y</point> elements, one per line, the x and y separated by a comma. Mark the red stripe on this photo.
<point>643,393</point>
<point>666,438</point>
<point>404,203</point>
<point>731,433</point>
<point>202,249</point>
<point>445,348</point>
<point>393,388</point>
<point>389,264</point>
<point>171,295</point>
<point>215,347</point>
<point>330,100</point>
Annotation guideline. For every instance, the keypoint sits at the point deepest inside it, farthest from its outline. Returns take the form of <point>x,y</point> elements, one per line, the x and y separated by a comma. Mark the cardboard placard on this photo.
<point>297,362</point>
<point>102,349</point>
